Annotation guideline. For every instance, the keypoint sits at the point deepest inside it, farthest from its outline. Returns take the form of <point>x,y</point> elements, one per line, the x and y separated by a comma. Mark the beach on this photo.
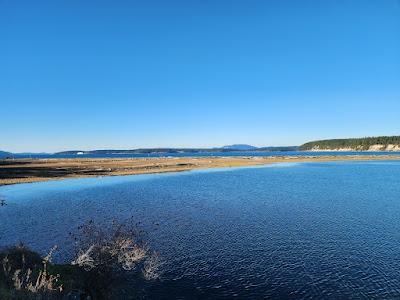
<point>34,170</point>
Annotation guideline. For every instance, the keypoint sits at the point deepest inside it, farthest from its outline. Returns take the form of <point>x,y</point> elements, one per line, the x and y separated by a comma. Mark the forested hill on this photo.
<point>381,143</point>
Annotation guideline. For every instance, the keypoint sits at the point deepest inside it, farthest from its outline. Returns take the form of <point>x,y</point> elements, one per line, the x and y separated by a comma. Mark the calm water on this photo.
<point>298,231</point>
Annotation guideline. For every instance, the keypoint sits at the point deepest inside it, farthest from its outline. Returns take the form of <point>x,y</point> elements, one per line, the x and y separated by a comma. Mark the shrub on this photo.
<point>110,254</point>
<point>104,257</point>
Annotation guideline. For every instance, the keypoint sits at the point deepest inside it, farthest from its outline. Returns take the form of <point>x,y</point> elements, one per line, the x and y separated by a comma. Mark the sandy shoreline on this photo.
<point>34,170</point>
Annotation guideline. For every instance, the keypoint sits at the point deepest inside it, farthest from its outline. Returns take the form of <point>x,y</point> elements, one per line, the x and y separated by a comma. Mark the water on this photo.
<point>298,231</point>
<point>200,154</point>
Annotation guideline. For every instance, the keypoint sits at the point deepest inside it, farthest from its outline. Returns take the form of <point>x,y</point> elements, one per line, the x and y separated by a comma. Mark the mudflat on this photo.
<point>33,170</point>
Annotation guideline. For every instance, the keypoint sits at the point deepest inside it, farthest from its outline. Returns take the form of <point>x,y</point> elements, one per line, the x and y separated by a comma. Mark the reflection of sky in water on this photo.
<point>24,190</point>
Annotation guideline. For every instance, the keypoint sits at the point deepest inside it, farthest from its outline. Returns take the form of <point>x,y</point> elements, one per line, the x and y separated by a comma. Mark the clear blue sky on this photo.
<point>128,74</point>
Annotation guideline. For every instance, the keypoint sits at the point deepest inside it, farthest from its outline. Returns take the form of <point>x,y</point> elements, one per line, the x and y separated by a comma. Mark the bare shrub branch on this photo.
<point>109,254</point>
<point>23,280</point>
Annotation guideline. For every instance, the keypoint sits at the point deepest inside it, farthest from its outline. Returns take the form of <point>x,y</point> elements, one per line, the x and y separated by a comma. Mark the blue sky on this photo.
<point>129,74</point>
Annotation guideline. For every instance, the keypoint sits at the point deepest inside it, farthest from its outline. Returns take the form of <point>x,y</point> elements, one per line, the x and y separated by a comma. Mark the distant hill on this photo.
<point>279,148</point>
<point>229,148</point>
<point>239,147</point>
<point>5,154</point>
<point>136,151</point>
<point>381,143</point>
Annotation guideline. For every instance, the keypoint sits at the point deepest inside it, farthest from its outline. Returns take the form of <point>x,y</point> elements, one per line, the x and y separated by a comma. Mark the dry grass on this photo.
<point>25,275</point>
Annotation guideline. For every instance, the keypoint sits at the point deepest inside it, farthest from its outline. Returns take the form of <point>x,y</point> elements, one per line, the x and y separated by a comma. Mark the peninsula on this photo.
<point>381,143</point>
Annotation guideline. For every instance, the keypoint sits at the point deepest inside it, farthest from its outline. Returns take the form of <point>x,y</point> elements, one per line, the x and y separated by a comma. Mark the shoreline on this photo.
<point>37,170</point>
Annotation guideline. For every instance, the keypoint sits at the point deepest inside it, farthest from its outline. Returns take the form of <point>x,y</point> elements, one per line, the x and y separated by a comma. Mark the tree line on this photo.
<point>353,143</point>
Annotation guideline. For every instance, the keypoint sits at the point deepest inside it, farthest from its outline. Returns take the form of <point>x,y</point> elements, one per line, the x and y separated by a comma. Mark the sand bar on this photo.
<point>33,170</point>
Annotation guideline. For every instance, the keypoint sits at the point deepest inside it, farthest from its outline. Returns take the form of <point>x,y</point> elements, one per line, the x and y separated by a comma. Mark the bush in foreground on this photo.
<point>103,258</point>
